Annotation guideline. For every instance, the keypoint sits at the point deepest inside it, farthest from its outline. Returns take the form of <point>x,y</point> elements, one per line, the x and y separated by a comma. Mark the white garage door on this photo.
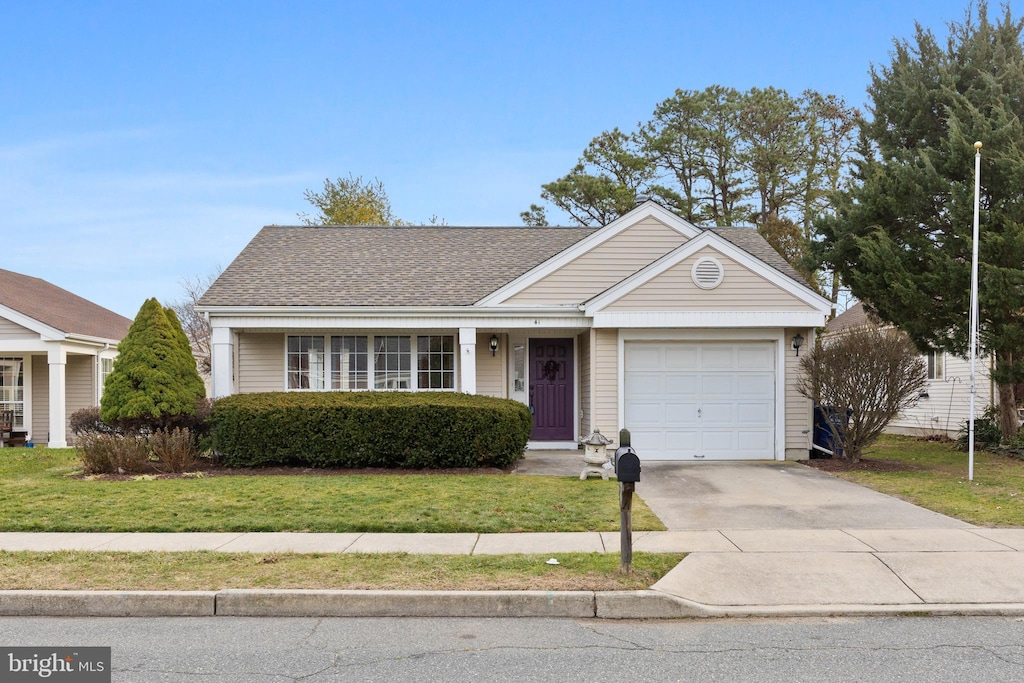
<point>706,401</point>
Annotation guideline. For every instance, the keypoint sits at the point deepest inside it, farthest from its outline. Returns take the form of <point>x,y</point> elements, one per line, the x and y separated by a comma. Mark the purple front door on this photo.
<point>551,389</point>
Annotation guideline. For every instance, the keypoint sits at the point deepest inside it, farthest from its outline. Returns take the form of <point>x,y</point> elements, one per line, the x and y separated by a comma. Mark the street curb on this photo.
<point>14,603</point>
<point>378,603</point>
<point>643,604</point>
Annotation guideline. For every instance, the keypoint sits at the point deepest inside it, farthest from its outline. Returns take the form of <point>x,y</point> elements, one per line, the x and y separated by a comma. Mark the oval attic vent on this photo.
<point>707,273</point>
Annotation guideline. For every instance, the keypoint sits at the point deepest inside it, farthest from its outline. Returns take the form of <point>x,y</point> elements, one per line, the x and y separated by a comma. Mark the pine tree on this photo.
<point>154,377</point>
<point>902,241</point>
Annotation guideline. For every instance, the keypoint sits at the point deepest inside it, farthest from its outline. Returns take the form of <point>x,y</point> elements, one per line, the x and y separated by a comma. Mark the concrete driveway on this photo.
<point>754,495</point>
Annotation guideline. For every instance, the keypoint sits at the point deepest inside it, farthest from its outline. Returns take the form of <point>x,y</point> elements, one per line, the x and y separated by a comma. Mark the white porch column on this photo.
<point>221,361</point>
<point>58,359</point>
<point>467,359</point>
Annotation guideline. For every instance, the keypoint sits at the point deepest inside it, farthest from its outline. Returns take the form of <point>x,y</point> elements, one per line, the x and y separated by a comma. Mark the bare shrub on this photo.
<point>88,421</point>
<point>176,449</point>
<point>873,372</point>
<point>112,453</point>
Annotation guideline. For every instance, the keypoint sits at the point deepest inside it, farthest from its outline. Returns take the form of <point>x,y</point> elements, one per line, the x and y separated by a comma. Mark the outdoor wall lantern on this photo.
<point>798,341</point>
<point>494,344</point>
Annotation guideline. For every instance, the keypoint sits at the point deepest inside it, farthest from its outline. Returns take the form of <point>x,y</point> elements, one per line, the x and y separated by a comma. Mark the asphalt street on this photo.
<point>257,650</point>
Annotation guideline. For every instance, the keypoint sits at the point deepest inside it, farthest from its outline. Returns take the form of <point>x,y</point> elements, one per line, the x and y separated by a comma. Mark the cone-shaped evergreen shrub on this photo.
<point>154,378</point>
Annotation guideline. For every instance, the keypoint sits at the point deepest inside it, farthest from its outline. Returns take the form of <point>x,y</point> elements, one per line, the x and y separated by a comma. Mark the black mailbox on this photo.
<point>627,464</point>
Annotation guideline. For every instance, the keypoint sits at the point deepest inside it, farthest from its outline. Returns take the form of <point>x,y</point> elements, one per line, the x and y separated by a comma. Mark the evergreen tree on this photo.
<point>903,240</point>
<point>154,378</point>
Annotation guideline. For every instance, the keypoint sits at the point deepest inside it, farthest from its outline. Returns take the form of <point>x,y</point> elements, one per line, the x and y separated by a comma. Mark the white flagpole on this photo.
<point>974,306</point>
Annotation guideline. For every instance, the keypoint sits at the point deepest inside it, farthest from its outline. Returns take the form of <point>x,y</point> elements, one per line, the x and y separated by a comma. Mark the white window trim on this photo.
<point>26,394</point>
<point>939,364</point>
<point>370,366</point>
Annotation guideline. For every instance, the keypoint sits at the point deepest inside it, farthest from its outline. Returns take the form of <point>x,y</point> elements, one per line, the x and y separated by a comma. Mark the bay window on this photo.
<point>371,362</point>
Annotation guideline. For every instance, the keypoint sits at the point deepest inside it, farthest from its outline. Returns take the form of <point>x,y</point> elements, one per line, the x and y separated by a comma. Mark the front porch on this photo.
<point>39,390</point>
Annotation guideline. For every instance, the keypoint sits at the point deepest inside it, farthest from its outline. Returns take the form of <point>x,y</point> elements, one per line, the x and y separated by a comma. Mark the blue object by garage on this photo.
<point>824,442</point>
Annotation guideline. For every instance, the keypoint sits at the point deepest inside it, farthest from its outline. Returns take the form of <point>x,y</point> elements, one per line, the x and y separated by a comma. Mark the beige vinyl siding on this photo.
<point>604,265</point>
<point>583,344</point>
<point>9,330</point>
<point>740,290</point>
<point>79,386</point>
<point>490,370</point>
<point>260,362</point>
<point>948,404</point>
<point>40,431</point>
<point>606,382</point>
<point>798,407</point>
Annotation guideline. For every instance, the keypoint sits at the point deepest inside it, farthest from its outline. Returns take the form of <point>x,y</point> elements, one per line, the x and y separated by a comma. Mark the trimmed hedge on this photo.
<point>369,429</point>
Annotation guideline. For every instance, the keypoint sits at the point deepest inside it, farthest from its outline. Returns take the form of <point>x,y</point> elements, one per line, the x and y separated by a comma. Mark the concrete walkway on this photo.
<point>763,539</point>
<point>728,572</point>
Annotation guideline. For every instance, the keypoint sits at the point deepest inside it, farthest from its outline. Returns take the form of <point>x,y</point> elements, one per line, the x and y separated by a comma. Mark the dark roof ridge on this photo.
<point>437,227</point>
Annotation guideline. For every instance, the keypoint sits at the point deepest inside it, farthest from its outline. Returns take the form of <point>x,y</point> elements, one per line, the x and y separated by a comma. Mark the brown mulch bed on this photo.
<point>862,465</point>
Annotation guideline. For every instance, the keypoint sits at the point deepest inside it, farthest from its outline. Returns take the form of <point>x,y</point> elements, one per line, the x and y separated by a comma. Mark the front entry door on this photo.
<point>551,389</point>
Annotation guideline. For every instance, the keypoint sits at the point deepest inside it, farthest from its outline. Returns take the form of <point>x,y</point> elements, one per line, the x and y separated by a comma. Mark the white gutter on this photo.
<point>387,311</point>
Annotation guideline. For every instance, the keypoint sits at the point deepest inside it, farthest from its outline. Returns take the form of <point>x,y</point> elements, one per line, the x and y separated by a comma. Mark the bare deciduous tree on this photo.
<point>871,371</point>
<point>195,326</point>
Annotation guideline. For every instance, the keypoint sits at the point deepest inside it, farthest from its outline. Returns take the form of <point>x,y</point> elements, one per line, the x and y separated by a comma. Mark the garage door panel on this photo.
<point>717,441</point>
<point>756,414</point>
<point>757,443</point>
<point>677,384</point>
<point>688,400</point>
<point>681,414</point>
<point>715,357</point>
<point>645,414</point>
<point>759,385</point>
<point>681,444</point>
<point>721,384</point>
<point>682,357</point>
<point>718,414</point>
<point>645,385</point>
<point>755,357</point>
<point>644,357</point>
<point>650,441</point>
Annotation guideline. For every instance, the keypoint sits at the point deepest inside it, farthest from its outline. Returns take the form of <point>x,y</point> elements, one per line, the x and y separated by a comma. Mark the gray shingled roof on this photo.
<point>854,316</point>
<point>405,266</point>
<point>750,241</point>
<point>382,266</point>
<point>59,308</point>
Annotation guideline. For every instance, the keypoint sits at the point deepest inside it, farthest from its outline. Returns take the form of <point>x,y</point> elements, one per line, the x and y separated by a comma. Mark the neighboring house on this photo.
<point>56,349</point>
<point>945,404</point>
<point>682,334</point>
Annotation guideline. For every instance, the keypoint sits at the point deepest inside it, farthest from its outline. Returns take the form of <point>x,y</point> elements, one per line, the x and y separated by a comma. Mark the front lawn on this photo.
<point>39,492</point>
<point>393,571</point>
<point>934,476</point>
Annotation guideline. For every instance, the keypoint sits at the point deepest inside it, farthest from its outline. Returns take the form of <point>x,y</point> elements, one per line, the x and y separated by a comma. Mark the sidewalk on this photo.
<point>728,572</point>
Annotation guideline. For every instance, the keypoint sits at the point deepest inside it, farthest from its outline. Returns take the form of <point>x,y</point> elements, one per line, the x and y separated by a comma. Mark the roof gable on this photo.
<point>602,266</point>
<point>52,312</point>
<point>648,211</point>
<point>669,264</point>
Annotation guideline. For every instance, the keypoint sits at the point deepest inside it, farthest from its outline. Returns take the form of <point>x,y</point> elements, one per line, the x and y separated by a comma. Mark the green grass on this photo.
<point>935,477</point>
<point>217,571</point>
<point>39,493</point>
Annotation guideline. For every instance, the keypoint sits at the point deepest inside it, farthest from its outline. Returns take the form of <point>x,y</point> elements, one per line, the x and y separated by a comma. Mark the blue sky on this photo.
<point>142,143</point>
